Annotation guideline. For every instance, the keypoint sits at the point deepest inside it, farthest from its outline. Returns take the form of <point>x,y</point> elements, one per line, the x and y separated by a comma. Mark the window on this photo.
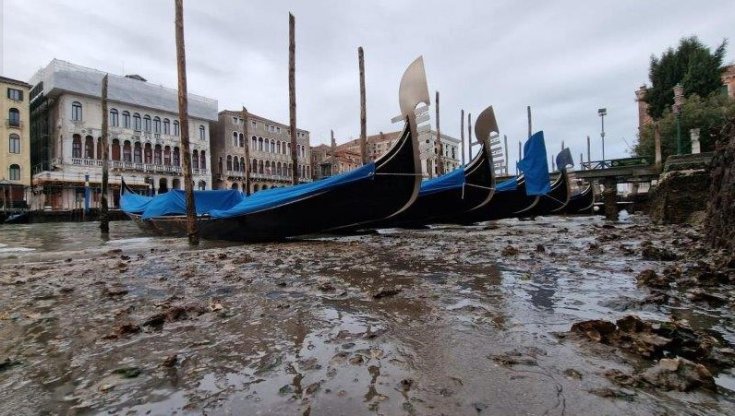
<point>127,150</point>
<point>195,159</point>
<point>14,172</point>
<point>203,159</point>
<point>166,126</point>
<point>273,146</point>
<point>76,111</point>
<point>157,155</point>
<point>137,153</point>
<point>136,122</point>
<point>76,146</point>
<point>234,139</point>
<point>167,155</point>
<point>254,123</point>
<point>176,156</point>
<point>157,125</point>
<point>14,143</point>
<point>202,132</point>
<point>147,123</point>
<point>126,119</point>
<point>15,95</point>
<point>14,117</point>
<point>254,142</point>
<point>89,147</point>
<point>242,140</point>
<point>114,119</point>
<point>176,128</point>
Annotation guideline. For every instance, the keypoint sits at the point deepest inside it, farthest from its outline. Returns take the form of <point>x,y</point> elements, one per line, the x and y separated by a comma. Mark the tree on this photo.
<point>708,114</point>
<point>692,64</point>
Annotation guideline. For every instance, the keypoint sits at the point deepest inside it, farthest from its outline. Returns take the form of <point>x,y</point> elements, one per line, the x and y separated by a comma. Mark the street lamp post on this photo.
<point>678,96</point>
<point>602,112</point>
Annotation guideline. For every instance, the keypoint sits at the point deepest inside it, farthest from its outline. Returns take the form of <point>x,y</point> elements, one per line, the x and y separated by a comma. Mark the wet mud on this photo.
<point>443,321</point>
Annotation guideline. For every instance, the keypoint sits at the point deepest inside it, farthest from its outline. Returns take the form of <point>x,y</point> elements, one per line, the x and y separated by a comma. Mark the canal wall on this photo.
<point>720,217</point>
<point>682,191</point>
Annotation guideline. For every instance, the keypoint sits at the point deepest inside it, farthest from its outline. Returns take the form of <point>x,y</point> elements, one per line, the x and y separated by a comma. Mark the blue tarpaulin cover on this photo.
<point>452,180</point>
<point>133,203</point>
<point>509,185</point>
<point>564,159</point>
<point>274,197</point>
<point>174,202</point>
<point>534,166</point>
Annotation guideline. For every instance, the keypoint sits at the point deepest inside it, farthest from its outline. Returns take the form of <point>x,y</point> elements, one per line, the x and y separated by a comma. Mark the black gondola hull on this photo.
<point>582,203</point>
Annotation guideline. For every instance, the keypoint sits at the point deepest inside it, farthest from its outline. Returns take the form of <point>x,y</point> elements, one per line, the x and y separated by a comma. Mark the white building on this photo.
<point>144,136</point>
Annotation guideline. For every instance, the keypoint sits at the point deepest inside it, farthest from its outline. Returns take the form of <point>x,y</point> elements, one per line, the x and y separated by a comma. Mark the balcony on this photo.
<point>13,123</point>
<point>119,165</point>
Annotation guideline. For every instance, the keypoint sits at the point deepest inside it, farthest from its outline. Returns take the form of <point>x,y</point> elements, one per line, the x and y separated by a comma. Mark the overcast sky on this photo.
<point>565,59</point>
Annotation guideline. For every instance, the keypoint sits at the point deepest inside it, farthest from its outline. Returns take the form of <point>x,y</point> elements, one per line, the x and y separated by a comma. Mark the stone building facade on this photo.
<point>15,150</point>
<point>144,136</point>
<point>270,152</point>
<point>379,144</point>
<point>328,160</point>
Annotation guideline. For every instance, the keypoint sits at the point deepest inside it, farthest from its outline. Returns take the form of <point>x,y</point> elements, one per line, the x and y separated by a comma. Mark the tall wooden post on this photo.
<point>461,132</point>
<point>247,150</point>
<point>657,146</point>
<point>589,157</point>
<point>506,155</point>
<point>333,159</point>
<point>439,144</point>
<point>530,130</point>
<point>469,133</point>
<point>104,209</point>
<point>520,155</point>
<point>363,117</point>
<point>191,221</point>
<point>292,96</point>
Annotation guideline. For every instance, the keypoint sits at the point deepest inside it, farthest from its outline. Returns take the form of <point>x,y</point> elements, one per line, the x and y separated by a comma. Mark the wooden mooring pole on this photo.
<point>191,221</point>
<point>292,96</point>
<point>363,115</point>
<point>104,209</point>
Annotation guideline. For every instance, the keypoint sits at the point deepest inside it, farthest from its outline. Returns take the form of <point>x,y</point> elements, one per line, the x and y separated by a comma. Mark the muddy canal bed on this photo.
<point>444,321</point>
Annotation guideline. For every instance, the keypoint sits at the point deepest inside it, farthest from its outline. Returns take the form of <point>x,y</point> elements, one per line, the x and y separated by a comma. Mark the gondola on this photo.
<point>581,203</point>
<point>374,191</point>
<point>554,201</point>
<point>444,199</point>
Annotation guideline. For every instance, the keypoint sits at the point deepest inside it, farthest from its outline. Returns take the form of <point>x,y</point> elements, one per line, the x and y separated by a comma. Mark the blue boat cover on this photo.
<point>534,166</point>
<point>564,159</point>
<point>452,180</point>
<point>272,198</point>
<point>509,185</point>
<point>133,203</point>
<point>174,202</point>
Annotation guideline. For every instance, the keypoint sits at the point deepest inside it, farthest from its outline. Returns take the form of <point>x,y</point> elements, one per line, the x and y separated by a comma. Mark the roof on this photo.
<point>234,113</point>
<point>12,81</point>
<point>61,76</point>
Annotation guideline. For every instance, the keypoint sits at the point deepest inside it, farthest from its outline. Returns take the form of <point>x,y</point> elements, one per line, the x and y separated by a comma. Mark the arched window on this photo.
<point>76,111</point>
<point>254,166</point>
<point>148,154</point>
<point>127,151</point>
<point>260,144</point>
<point>203,160</point>
<point>99,149</point>
<point>202,132</point>
<point>76,146</point>
<point>254,143</point>
<point>273,146</point>
<point>157,155</point>
<point>115,149</point>
<point>14,143</point>
<point>236,165</point>
<point>242,164</point>
<point>126,119</point>
<point>157,125</point>
<point>162,186</point>
<point>167,156</point>
<point>176,127</point>
<point>278,165</point>
<point>202,185</point>
<point>195,159</point>
<point>166,126</point>
<point>234,186</point>
<point>267,167</point>
<point>89,147</point>
<point>242,140</point>
<point>177,157</point>
<point>114,118</point>
<point>278,147</point>
<point>255,188</point>
<point>234,139</point>
<point>137,153</point>
<point>176,184</point>
<point>147,123</point>
<point>136,122</point>
<point>260,167</point>
<point>229,162</point>
<point>14,172</point>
